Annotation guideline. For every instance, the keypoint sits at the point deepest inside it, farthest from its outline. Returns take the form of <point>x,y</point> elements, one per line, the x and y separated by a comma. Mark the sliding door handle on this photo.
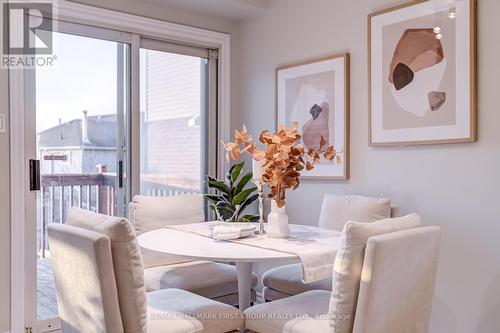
<point>34,175</point>
<point>120,174</point>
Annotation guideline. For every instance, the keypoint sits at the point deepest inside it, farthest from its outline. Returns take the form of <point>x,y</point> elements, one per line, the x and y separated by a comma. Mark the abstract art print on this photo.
<point>315,94</point>
<point>422,73</point>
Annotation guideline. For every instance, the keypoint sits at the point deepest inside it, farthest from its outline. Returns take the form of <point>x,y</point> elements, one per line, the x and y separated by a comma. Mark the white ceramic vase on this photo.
<point>277,222</point>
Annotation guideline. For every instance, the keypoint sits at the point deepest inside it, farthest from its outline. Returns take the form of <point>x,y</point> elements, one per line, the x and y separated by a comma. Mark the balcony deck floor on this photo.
<point>46,291</point>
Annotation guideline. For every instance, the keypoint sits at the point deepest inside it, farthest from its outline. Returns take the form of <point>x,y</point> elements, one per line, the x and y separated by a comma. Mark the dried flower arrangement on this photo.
<point>285,157</point>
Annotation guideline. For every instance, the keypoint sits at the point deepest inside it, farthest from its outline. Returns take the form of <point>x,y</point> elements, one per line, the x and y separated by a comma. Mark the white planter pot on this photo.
<point>277,222</point>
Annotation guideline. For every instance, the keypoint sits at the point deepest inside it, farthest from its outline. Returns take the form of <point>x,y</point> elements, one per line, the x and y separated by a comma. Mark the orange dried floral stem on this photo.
<point>283,153</point>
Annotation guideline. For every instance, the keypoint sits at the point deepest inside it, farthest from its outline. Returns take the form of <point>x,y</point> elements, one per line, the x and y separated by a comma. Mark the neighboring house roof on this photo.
<point>101,132</point>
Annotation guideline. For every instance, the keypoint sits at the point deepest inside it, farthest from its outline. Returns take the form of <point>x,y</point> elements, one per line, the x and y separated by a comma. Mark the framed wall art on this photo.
<point>422,73</point>
<point>316,95</point>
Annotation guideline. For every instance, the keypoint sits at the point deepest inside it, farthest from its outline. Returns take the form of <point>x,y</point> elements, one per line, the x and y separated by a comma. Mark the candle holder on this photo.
<point>260,189</point>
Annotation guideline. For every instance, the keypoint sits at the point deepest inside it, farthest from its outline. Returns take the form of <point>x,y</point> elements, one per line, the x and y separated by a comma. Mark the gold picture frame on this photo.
<point>471,74</point>
<point>316,65</point>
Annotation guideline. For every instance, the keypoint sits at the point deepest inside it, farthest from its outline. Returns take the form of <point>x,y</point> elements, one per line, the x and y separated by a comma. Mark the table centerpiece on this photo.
<point>282,158</point>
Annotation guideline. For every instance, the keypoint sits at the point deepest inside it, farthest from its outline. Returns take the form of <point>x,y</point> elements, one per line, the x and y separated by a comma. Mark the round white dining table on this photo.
<point>194,246</point>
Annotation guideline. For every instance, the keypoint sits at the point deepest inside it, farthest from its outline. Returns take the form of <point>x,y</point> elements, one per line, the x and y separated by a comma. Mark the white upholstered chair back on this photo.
<point>151,213</point>
<point>337,210</point>
<point>397,283</point>
<point>125,266</point>
<point>87,295</point>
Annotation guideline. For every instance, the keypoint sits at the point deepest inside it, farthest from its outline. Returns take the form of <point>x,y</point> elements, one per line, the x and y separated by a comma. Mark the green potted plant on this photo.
<point>232,196</point>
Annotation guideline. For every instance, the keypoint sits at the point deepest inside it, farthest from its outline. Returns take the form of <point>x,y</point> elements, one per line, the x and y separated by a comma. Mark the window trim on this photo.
<point>173,47</point>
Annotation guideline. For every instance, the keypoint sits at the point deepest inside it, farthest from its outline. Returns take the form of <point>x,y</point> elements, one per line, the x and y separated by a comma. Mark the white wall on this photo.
<point>453,186</point>
<point>134,7</point>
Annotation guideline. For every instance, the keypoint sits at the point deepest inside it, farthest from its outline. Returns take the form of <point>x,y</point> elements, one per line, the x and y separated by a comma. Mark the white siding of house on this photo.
<point>172,85</point>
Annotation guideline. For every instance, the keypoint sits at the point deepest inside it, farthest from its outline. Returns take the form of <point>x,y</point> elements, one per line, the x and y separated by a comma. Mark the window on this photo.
<point>174,117</point>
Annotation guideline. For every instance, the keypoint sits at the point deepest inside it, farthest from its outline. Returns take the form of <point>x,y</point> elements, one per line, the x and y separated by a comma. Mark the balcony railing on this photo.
<point>94,192</point>
<point>59,192</point>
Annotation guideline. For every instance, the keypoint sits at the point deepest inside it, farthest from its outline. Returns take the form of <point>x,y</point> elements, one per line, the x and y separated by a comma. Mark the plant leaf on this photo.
<point>228,174</point>
<point>225,211</point>
<point>322,142</point>
<point>250,218</point>
<point>243,181</point>
<point>218,185</point>
<point>215,198</point>
<point>247,202</point>
<point>280,202</point>
<point>236,170</point>
<point>213,179</point>
<point>243,195</point>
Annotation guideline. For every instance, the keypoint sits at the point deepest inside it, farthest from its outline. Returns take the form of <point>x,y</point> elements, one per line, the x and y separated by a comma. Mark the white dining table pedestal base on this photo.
<point>244,270</point>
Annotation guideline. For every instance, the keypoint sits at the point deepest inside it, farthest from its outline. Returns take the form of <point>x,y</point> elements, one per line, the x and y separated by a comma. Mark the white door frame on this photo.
<point>139,26</point>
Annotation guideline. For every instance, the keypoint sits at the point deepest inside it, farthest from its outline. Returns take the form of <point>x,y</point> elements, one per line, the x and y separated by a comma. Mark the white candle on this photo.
<point>257,169</point>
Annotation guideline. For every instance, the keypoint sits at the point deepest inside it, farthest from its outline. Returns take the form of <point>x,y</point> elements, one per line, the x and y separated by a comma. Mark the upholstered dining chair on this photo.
<point>391,292</point>
<point>220,280</point>
<point>99,279</point>
<point>336,211</point>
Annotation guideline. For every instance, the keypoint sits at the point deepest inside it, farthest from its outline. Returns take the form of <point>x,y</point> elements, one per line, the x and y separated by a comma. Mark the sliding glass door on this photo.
<point>173,110</point>
<point>79,141</point>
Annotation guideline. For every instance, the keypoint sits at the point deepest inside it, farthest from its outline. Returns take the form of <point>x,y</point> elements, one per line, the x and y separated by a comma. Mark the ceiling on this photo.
<point>235,10</point>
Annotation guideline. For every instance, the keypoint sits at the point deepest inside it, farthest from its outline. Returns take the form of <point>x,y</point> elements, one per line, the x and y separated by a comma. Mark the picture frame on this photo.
<point>422,74</point>
<point>316,94</point>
